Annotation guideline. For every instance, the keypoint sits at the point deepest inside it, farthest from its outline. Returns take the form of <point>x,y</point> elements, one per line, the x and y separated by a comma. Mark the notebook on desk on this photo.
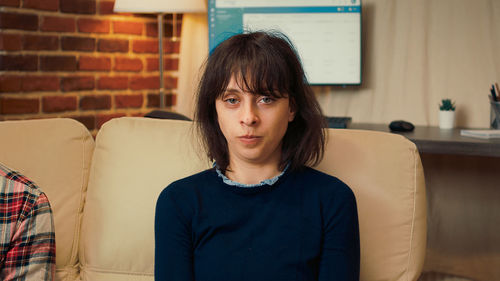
<point>483,134</point>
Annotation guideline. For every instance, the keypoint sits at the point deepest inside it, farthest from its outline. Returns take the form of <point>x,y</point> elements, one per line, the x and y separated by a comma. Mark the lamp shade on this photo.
<point>160,6</point>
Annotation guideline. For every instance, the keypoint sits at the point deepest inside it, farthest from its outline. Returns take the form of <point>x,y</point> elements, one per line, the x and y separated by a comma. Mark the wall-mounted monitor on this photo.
<point>326,33</point>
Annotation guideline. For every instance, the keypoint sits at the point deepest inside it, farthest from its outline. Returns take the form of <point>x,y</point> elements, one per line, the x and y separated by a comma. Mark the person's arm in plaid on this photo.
<point>27,241</point>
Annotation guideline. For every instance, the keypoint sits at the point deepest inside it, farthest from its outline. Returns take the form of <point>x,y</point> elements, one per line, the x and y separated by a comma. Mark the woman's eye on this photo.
<point>231,101</point>
<point>266,100</point>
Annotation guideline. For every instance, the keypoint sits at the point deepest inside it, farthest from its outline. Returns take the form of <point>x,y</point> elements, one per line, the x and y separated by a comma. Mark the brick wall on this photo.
<point>78,59</point>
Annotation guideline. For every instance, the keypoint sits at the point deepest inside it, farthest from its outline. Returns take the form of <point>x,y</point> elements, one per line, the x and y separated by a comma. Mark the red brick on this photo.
<point>112,83</point>
<point>112,45</point>
<point>78,6</point>
<point>18,105</point>
<point>128,64</point>
<point>58,24</point>
<point>171,47</point>
<point>10,42</point>
<point>128,101</point>
<point>170,82</point>
<point>77,44</point>
<point>37,42</point>
<point>58,63</point>
<point>106,7</point>
<point>152,64</point>
<point>128,27</point>
<point>154,100</point>
<point>168,64</point>
<point>10,3</point>
<point>145,46</point>
<point>95,102</point>
<point>10,83</point>
<point>77,83</point>
<point>47,5</point>
<point>103,118</point>
<point>152,28</point>
<point>170,99</point>
<point>93,25</point>
<point>87,120</point>
<point>141,83</point>
<point>93,63</point>
<point>58,104</point>
<point>18,21</point>
<point>40,83</point>
<point>18,62</point>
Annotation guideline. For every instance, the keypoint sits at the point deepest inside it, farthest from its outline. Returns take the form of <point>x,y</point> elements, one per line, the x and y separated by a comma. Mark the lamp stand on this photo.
<point>160,51</point>
<point>160,56</point>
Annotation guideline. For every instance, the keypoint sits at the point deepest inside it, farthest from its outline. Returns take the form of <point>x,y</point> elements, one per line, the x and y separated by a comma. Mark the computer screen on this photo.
<point>326,33</point>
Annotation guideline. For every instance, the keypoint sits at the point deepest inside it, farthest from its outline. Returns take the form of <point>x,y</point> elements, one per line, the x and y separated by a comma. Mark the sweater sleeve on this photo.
<point>173,243</point>
<point>340,249</point>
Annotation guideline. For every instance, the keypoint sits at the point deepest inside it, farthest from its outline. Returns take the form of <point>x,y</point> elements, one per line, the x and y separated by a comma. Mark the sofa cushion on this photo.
<point>134,160</point>
<point>56,155</point>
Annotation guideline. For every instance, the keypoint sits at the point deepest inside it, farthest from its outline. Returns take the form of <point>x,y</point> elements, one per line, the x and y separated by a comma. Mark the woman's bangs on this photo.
<point>260,78</point>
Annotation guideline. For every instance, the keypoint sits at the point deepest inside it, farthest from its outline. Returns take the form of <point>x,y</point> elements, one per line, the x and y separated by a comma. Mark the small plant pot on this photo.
<point>446,119</point>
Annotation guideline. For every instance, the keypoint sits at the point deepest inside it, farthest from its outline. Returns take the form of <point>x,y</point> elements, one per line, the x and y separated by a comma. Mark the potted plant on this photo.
<point>447,114</point>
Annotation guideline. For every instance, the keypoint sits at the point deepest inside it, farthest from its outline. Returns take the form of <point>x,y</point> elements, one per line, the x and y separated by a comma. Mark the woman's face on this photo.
<point>253,124</point>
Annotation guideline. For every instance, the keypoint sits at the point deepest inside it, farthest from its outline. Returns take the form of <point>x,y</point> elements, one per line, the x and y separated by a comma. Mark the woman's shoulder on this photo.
<point>313,175</point>
<point>330,191</point>
<point>324,183</point>
<point>199,177</point>
<point>187,186</point>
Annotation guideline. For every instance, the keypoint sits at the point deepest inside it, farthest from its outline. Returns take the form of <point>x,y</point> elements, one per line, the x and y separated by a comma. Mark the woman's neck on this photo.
<point>248,173</point>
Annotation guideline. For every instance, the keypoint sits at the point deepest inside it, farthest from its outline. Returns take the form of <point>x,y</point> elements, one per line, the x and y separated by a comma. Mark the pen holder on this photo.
<point>495,115</point>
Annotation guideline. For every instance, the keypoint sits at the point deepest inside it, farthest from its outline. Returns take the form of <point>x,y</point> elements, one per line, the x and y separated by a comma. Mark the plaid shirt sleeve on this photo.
<point>27,239</point>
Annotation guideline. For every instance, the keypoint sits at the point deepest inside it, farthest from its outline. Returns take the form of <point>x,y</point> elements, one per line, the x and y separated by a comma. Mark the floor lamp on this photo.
<point>161,7</point>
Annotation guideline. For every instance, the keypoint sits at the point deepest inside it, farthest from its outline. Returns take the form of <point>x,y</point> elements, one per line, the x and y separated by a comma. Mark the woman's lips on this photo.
<point>249,139</point>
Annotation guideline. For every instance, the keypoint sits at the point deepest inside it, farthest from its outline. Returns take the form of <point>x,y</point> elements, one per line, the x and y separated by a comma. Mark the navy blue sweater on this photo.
<point>303,227</point>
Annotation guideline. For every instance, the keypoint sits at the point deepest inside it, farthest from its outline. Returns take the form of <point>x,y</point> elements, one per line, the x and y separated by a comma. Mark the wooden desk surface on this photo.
<point>435,140</point>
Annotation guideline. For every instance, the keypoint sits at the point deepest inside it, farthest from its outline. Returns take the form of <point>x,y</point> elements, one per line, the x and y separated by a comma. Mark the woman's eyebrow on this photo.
<point>274,93</point>
<point>231,90</point>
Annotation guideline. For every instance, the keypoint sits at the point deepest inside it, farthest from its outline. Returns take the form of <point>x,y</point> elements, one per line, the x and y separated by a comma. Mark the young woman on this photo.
<point>260,213</point>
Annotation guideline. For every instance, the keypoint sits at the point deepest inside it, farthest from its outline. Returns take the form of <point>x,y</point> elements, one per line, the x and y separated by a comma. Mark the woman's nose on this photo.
<point>249,115</point>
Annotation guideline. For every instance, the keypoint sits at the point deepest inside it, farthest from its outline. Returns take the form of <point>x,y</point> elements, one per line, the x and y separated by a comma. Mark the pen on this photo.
<point>493,93</point>
<point>497,93</point>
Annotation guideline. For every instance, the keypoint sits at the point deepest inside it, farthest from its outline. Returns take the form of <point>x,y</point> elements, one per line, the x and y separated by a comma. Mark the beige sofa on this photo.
<point>103,194</point>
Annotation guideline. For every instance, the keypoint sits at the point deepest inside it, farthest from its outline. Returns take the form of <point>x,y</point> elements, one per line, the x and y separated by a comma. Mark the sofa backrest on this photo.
<point>135,158</point>
<point>385,172</point>
<point>56,155</point>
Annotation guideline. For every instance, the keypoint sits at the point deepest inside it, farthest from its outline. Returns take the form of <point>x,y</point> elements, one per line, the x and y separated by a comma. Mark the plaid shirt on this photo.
<point>27,240</point>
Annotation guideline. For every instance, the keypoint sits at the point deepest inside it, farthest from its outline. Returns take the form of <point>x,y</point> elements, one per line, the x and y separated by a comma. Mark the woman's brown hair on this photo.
<point>263,62</point>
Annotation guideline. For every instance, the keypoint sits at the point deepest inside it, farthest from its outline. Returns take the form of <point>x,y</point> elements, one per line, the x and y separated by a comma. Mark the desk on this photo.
<point>438,141</point>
